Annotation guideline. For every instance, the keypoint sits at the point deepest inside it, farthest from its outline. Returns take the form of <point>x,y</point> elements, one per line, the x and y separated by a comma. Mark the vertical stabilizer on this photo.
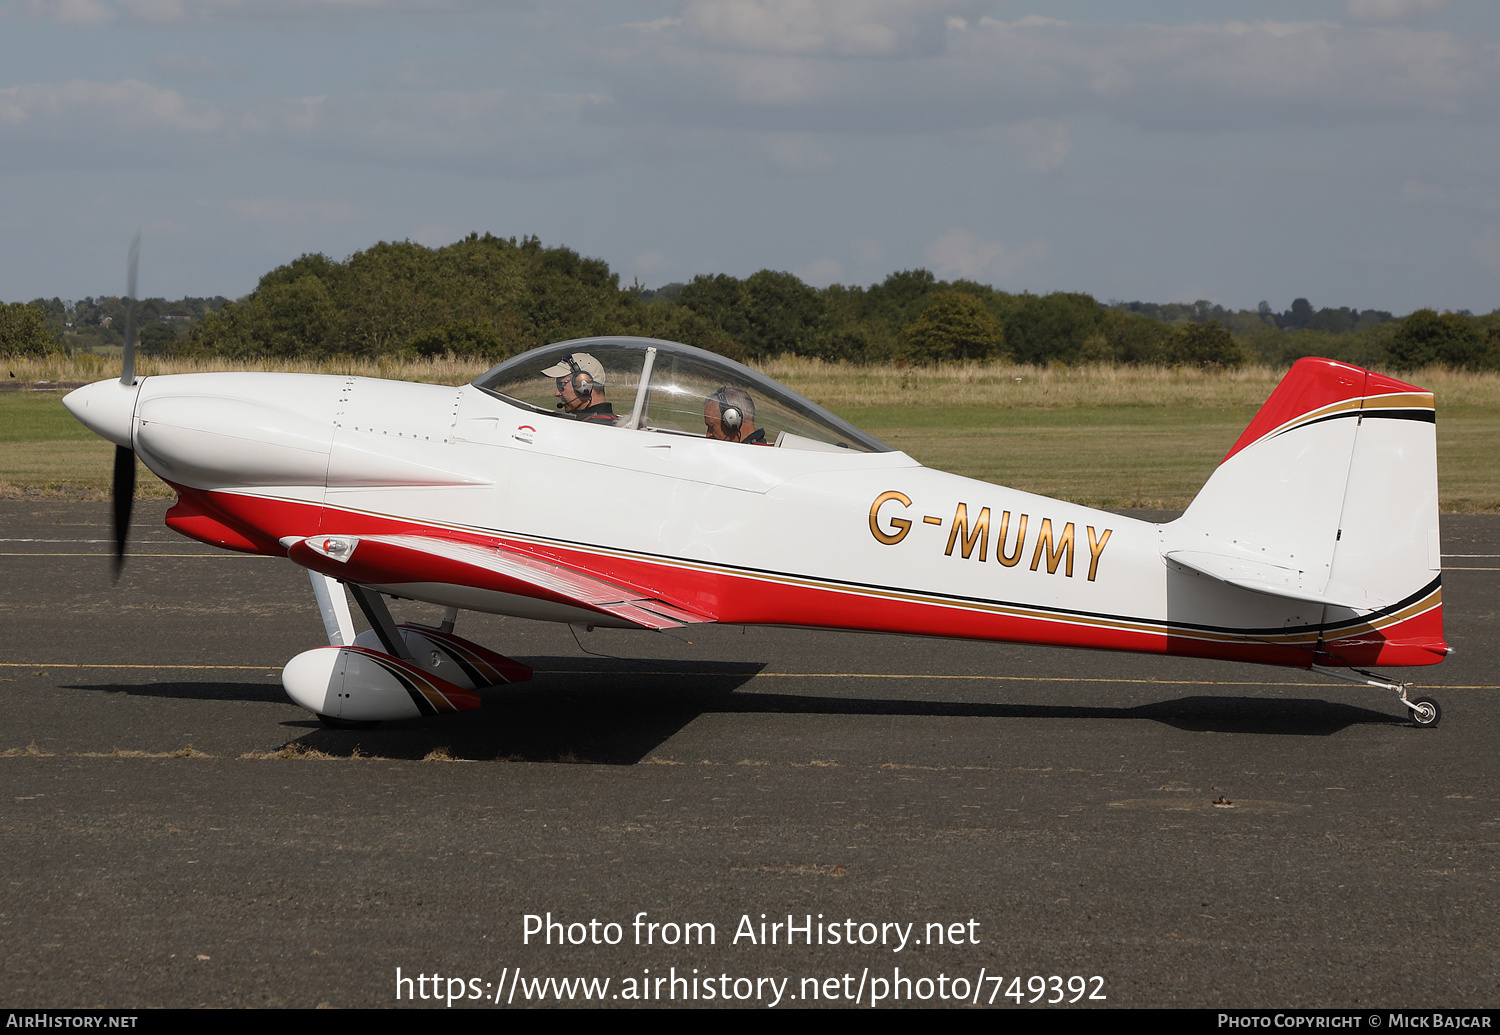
<point>1330,496</point>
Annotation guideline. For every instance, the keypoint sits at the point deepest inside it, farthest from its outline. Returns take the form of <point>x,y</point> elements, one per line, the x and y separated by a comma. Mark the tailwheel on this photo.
<point>1425,712</point>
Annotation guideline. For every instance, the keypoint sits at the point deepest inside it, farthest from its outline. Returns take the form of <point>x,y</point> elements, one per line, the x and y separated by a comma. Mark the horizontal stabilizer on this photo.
<point>1259,577</point>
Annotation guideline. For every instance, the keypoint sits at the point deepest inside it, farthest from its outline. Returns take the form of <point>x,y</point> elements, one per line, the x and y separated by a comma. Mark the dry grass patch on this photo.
<point>186,751</point>
<point>29,751</point>
<point>1014,386</point>
<point>291,749</point>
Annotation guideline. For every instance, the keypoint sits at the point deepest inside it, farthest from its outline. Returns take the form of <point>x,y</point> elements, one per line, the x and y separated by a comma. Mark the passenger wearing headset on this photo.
<point>580,388</point>
<point>729,416</point>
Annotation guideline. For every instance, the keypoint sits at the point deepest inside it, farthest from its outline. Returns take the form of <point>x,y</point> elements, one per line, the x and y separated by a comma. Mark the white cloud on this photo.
<point>497,131</point>
<point>434,235</point>
<point>172,12</point>
<point>1394,10</point>
<point>87,124</point>
<point>104,109</point>
<point>822,272</point>
<point>989,72</point>
<point>648,264</point>
<point>958,253</point>
<point>848,28</point>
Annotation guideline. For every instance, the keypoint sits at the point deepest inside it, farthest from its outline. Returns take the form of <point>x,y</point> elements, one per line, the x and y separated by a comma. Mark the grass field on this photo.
<point>1101,436</point>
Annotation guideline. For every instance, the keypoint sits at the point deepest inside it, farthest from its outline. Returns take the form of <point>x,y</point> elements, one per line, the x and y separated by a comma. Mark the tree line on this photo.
<point>493,297</point>
<point>53,325</point>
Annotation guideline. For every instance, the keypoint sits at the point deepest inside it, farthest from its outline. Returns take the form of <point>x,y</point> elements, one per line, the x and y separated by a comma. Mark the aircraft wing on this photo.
<point>391,560</point>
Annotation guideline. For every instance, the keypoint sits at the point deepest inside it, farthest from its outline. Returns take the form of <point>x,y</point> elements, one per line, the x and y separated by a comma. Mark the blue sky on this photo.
<point>1342,150</point>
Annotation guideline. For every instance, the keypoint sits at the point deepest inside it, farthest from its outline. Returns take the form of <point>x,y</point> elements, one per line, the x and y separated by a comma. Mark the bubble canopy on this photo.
<point>667,387</point>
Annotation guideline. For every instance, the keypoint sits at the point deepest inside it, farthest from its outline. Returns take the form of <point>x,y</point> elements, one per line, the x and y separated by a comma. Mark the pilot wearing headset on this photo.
<point>729,416</point>
<point>580,388</point>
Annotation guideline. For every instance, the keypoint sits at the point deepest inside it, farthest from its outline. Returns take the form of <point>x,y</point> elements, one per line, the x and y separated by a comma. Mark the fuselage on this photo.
<point>745,534</point>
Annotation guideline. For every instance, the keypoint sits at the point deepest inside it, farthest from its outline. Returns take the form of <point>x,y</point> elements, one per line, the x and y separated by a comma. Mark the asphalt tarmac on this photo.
<point>1169,832</point>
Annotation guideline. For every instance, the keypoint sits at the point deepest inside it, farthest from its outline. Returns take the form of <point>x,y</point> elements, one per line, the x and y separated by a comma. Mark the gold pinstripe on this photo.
<point>1390,401</point>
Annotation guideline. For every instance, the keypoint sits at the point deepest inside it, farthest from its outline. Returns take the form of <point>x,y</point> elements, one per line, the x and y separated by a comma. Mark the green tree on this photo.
<point>900,298</point>
<point>24,330</point>
<point>156,338</point>
<point>1207,345</point>
<point>459,338</point>
<point>294,319</point>
<point>1425,338</point>
<point>719,301</point>
<point>494,294</point>
<point>954,326</point>
<point>1299,315</point>
<point>1492,348</point>
<point>767,314</point>
<point>781,313</point>
<point>1134,339</point>
<point>842,343</point>
<point>1039,329</point>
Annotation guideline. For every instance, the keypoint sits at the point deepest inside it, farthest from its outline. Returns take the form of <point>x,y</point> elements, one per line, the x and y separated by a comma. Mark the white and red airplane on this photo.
<point>575,483</point>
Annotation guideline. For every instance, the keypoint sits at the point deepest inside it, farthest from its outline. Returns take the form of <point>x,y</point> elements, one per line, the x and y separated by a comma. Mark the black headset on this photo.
<point>583,384</point>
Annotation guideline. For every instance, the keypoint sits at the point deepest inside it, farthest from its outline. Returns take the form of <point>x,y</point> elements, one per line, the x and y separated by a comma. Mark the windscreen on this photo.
<point>571,379</point>
<point>691,395</point>
<point>689,392</point>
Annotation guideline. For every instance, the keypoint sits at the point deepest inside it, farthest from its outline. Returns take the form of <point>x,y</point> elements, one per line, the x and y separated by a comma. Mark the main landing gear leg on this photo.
<point>1424,711</point>
<point>381,621</point>
<point>334,608</point>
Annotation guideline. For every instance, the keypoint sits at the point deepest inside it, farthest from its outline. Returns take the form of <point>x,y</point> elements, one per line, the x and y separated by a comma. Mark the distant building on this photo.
<point>178,316</point>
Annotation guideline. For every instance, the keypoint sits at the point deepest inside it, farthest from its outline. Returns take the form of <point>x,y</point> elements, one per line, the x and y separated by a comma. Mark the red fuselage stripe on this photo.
<point>737,597</point>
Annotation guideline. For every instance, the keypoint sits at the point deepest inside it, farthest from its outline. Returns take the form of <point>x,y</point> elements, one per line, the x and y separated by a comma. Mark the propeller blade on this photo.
<point>123,499</point>
<point>127,368</point>
<point>122,491</point>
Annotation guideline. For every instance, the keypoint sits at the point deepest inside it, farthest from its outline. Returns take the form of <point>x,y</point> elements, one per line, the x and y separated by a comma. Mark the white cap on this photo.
<point>586,364</point>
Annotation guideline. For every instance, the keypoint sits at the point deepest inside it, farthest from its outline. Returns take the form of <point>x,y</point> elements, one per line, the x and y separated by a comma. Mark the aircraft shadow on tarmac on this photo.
<point>268,692</point>
<point>596,711</point>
